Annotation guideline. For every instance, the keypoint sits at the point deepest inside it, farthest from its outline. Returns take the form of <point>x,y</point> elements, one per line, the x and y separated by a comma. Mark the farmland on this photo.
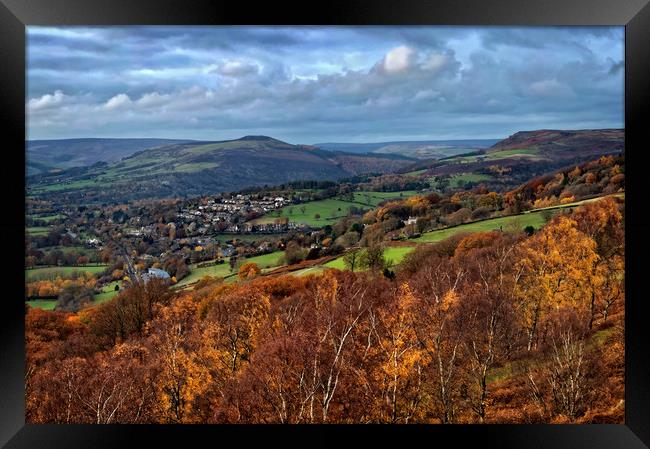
<point>329,211</point>
<point>393,255</point>
<point>270,260</point>
<point>534,219</point>
<point>42,273</point>
<point>37,230</point>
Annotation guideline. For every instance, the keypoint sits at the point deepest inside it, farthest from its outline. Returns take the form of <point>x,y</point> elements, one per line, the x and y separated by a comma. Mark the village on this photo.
<point>191,231</point>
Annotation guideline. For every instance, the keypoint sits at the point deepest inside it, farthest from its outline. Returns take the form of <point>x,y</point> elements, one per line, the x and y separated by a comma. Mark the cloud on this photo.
<point>399,59</point>
<point>551,88</point>
<point>237,68</point>
<point>436,62</point>
<point>311,84</point>
<point>46,101</point>
<point>117,102</point>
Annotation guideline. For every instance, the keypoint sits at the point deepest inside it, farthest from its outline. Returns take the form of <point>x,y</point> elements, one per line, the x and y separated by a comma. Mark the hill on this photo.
<point>547,141</point>
<point>49,155</point>
<point>197,168</point>
<point>526,154</point>
<point>426,149</point>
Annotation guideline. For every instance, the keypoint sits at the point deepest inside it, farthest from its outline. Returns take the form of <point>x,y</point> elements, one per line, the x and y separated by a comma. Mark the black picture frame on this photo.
<point>15,15</point>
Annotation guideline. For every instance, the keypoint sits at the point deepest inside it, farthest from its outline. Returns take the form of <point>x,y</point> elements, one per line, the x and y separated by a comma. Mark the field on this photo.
<point>44,304</point>
<point>68,249</point>
<point>329,210</point>
<point>456,180</point>
<point>246,237</point>
<point>270,260</point>
<point>416,172</point>
<point>35,274</point>
<point>108,292</point>
<point>534,219</point>
<point>374,198</point>
<point>496,155</point>
<point>48,218</point>
<point>393,255</point>
<point>37,230</point>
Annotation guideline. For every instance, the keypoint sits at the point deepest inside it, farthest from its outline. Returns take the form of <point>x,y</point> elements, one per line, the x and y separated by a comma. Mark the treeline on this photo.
<point>490,327</point>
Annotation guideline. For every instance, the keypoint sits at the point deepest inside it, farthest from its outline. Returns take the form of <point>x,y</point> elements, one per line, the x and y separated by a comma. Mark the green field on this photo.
<point>48,218</point>
<point>68,249</point>
<point>247,237</point>
<point>270,260</point>
<point>534,219</point>
<point>35,274</point>
<point>416,172</point>
<point>44,304</point>
<point>507,153</point>
<point>374,198</point>
<point>108,292</point>
<point>468,177</point>
<point>393,255</point>
<point>503,154</point>
<point>331,209</point>
<point>455,180</point>
<point>63,186</point>
<point>37,230</point>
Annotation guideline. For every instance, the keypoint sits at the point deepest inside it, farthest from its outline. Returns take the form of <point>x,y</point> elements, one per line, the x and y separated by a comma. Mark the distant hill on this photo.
<point>425,149</point>
<point>560,142</point>
<point>48,155</point>
<point>526,154</point>
<point>198,168</point>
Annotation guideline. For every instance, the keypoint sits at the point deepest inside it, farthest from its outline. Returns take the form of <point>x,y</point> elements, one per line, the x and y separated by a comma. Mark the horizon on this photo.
<point>321,84</point>
<point>317,143</point>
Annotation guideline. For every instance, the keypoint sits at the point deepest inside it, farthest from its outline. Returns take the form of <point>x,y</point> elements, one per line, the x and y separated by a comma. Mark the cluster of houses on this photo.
<point>216,210</point>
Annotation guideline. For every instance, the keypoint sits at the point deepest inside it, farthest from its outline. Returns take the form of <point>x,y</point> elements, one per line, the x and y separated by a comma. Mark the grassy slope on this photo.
<point>331,209</point>
<point>35,274</point>
<point>42,304</point>
<point>534,219</point>
<point>36,230</point>
<point>394,255</point>
<point>270,260</point>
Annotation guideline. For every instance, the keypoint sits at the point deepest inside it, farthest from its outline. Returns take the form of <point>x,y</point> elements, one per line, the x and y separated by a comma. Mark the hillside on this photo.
<point>426,149</point>
<point>48,155</point>
<point>548,141</point>
<point>524,155</point>
<point>196,168</point>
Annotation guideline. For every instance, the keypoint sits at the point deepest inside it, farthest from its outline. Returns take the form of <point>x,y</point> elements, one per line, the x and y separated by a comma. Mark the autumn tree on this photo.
<point>248,271</point>
<point>555,266</point>
<point>399,372</point>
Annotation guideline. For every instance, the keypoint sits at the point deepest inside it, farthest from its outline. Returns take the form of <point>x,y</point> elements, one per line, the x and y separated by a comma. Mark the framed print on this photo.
<point>369,220</point>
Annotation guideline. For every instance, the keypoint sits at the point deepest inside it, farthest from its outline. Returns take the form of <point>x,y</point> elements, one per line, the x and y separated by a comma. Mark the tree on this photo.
<point>555,266</point>
<point>439,283</point>
<point>294,253</point>
<point>248,271</point>
<point>372,258</point>
<point>351,259</point>
<point>487,313</point>
<point>401,359</point>
<point>74,297</point>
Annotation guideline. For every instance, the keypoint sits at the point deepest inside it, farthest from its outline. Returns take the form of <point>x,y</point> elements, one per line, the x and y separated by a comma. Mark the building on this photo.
<point>155,273</point>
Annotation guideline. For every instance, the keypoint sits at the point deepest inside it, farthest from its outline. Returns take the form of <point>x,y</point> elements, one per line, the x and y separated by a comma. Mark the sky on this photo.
<point>321,84</point>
